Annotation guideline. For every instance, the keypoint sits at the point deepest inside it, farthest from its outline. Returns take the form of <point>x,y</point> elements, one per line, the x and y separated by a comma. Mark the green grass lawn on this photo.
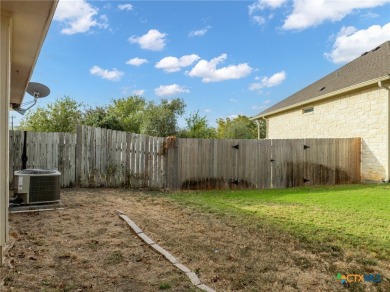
<point>346,216</point>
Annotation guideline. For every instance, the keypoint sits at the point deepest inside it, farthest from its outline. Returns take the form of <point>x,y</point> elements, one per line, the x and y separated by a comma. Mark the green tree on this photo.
<point>129,112</point>
<point>161,119</point>
<point>263,129</point>
<point>197,127</point>
<point>61,116</point>
<point>99,117</point>
<point>240,127</point>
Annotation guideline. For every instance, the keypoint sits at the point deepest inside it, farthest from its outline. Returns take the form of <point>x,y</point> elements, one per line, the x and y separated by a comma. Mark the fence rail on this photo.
<point>95,157</point>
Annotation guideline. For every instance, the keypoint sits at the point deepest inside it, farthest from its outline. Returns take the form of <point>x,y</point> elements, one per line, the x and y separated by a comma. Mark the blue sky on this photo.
<point>223,58</point>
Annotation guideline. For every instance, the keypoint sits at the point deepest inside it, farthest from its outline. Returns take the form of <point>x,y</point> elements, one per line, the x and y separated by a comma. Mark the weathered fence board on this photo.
<point>279,163</point>
<point>118,159</point>
<point>44,150</point>
<point>97,157</point>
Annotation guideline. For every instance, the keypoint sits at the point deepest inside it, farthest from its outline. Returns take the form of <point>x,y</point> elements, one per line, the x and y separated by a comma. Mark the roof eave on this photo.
<point>42,39</point>
<point>30,22</point>
<point>322,97</point>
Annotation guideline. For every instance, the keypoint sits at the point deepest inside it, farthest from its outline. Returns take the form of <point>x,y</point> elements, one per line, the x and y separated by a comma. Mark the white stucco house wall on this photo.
<point>24,25</point>
<point>352,101</point>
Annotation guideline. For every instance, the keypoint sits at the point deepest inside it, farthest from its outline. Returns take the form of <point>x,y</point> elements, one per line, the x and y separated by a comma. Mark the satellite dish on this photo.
<point>37,90</point>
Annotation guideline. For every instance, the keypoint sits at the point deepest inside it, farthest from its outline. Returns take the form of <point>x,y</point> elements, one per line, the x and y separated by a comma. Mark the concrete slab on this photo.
<point>145,238</point>
<point>182,268</point>
<point>165,253</point>
<point>36,208</point>
<point>205,288</point>
<point>194,278</point>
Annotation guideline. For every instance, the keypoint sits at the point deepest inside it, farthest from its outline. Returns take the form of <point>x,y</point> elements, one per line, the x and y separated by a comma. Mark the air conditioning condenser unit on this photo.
<point>37,186</point>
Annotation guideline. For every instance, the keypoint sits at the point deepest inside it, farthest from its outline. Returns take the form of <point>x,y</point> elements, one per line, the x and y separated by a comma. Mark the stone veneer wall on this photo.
<point>359,114</point>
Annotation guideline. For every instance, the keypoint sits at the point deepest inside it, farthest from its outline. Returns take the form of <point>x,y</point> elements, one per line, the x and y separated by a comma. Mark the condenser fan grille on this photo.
<point>38,185</point>
<point>44,188</point>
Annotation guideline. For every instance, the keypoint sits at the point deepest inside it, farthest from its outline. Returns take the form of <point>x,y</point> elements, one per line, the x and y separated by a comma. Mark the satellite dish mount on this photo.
<point>36,90</point>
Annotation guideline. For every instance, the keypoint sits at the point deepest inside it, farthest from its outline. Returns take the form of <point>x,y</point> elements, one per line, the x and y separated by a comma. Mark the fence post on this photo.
<point>172,162</point>
<point>78,156</point>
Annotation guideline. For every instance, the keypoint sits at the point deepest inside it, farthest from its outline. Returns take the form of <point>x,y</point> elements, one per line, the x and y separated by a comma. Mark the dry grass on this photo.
<point>87,247</point>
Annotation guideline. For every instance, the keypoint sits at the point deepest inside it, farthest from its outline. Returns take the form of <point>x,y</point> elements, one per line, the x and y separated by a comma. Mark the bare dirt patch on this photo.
<point>86,247</point>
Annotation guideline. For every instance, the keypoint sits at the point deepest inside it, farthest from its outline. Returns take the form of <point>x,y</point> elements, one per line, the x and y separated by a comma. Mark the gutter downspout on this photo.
<point>381,85</point>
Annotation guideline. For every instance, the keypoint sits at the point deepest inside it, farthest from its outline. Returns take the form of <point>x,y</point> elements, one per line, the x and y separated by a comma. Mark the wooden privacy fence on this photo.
<point>113,158</point>
<point>44,150</point>
<point>211,163</point>
<point>95,157</point>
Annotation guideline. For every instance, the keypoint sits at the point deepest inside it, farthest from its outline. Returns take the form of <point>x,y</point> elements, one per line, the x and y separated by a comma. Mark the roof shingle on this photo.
<point>369,66</point>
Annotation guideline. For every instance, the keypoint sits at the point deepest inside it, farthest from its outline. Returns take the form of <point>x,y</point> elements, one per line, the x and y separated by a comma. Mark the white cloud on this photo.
<point>350,43</point>
<point>127,7</point>
<point>170,90</point>
<point>173,64</point>
<point>309,13</point>
<point>232,117</point>
<point>139,92</point>
<point>267,101</point>
<point>233,99</point>
<point>369,14</point>
<point>260,20</point>
<point>272,81</point>
<point>255,86</point>
<point>262,4</point>
<point>207,70</point>
<point>153,40</point>
<point>78,16</point>
<point>207,110</point>
<point>258,107</point>
<point>256,8</point>
<point>199,32</point>
<point>136,61</point>
<point>264,105</point>
<point>113,75</point>
<point>103,21</point>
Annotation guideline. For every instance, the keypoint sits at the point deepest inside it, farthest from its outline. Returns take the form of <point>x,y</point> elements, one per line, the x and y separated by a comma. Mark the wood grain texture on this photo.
<point>95,157</point>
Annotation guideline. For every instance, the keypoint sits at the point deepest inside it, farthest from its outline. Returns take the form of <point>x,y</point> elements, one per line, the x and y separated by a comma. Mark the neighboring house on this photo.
<point>352,101</point>
<point>24,25</point>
